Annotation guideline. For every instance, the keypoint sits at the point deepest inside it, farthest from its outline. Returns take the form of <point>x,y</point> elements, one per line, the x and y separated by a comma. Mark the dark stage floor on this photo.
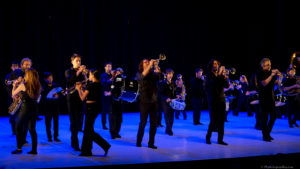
<point>186,149</point>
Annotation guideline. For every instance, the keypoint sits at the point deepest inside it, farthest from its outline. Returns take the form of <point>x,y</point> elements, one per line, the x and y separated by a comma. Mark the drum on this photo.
<point>53,92</point>
<point>253,99</point>
<point>117,87</point>
<point>130,90</point>
<point>177,104</point>
<point>280,100</point>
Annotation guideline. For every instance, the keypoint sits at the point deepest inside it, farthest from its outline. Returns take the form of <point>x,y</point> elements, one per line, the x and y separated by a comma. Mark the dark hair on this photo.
<point>14,62</point>
<point>25,59</point>
<point>263,61</point>
<point>96,73</point>
<point>210,64</point>
<point>198,70</point>
<point>75,55</point>
<point>169,70</point>
<point>289,69</point>
<point>47,74</point>
<point>107,63</point>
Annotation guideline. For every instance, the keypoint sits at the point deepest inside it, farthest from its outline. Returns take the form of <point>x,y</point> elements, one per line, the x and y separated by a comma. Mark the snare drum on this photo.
<point>280,100</point>
<point>253,99</point>
<point>177,104</point>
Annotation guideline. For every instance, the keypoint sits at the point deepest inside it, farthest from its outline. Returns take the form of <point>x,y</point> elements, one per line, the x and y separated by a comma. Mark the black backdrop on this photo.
<point>190,33</point>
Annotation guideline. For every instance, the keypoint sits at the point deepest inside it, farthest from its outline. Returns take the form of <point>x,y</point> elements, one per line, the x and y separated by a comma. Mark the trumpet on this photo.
<point>161,57</point>
<point>73,89</point>
<point>230,71</point>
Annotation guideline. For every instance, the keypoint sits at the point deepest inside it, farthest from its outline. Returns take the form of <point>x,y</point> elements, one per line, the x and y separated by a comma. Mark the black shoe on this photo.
<point>105,128</point>
<point>152,146</point>
<point>86,154</point>
<point>77,149</point>
<point>56,139</point>
<point>271,138</point>
<point>17,152</point>
<point>296,124</point>
<point>170,133</point>
<point>198,123</point>
<point>291,126</point>
<point>118,136</point>
<point>160,125</point>
<point>113,137</point>
<point>32,152</point>
<point>138,144</point>
<point>39,119</point>
<point>267,139</point>
<point>222,143</point>
<point>106,150</point>
<point>176,117</point>
<point>208,141</point>
<point>49,140</point>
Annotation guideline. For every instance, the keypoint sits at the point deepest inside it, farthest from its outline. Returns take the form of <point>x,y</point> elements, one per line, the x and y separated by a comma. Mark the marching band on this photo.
<point>91,93</point>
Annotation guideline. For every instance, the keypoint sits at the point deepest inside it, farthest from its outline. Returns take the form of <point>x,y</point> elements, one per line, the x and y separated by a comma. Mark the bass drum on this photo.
<point>125,89</point>
<point>117,87</point>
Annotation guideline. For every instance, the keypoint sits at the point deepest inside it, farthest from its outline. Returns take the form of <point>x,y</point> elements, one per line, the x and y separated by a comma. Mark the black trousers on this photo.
<point>177,113</point>
<point>106,109</point>
<point>115,118</point>
<point>52,112</point>
<point>293,108</point>
<point>145,110</point>
<point>75,113</point>
<point>258,116</point>
<point>169,116</point>
<point>26,120</point>
<point>217,115</point>
<point>242,101</point>
<point>197,106</point>
<point>12,121</point>
<point>89,135</point>
<point>268,109</point>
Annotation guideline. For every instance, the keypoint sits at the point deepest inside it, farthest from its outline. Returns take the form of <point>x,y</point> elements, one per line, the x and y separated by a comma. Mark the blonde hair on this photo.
<point>32,84</point>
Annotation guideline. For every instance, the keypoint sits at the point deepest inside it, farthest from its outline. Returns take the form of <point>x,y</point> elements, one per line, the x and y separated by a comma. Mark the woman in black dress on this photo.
<point>92,95</point>
<point>29,91</point>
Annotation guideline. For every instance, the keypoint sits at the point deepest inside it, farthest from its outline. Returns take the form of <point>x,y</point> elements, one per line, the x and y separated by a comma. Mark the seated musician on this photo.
<point>289,84</point>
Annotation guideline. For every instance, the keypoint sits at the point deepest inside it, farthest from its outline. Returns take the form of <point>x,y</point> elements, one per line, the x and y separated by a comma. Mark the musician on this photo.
<point>229,96</point>
<point>115,118</point>
<point>106,81</point>
<point>253,92</point>
<point>289,83</point>
<point>51,106</point>
<point>267,78</point>
<point>216,81</point>
<point>30,91</point>
<point>75,106</point>
<point>242,87</point>
<point>167,93</point>
<point>197,86</point>
<point>180,94</point>
<point>12,119</point>
<point>148,76</point>
<point>92,95</point>
<point>18,74</point>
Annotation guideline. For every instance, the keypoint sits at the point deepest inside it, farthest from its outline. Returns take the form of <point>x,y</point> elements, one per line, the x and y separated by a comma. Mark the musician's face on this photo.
<point>199,74</point>
<point>145,63</point>
<point>215,66</point>
<point>14,67</point>
<point>26,65</point>
<point>91,76</point>
<point>108,67</point>
<point>170,75</point>
<point>49,79</point>
<point>266,66</point>
<point>76,62</point>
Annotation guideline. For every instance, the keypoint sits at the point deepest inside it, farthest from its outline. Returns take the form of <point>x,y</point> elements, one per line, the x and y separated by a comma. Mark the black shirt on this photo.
<point>266,93</point>
<point>197,86</point>
<point>287,82</point>
<point>71,77</point>
<point>215,88</point>
<point>47,89</point>
<point>148,86</point>
<point>167,90</point>
<point>95,92</point>
<point>106,82</point>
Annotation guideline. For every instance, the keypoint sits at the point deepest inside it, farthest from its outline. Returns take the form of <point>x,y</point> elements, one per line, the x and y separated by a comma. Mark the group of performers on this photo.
<point>89,92</point>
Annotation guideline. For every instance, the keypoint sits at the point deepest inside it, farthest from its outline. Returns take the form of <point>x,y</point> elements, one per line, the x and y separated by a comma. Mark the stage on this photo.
<point>185,149</point>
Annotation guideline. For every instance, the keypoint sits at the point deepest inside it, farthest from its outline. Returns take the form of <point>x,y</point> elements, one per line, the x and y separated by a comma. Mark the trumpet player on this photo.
<point>77,73</point>
<point>148,76</point>
<point>216,81</point>
<point>267,78</point>
<point>289,83</point>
